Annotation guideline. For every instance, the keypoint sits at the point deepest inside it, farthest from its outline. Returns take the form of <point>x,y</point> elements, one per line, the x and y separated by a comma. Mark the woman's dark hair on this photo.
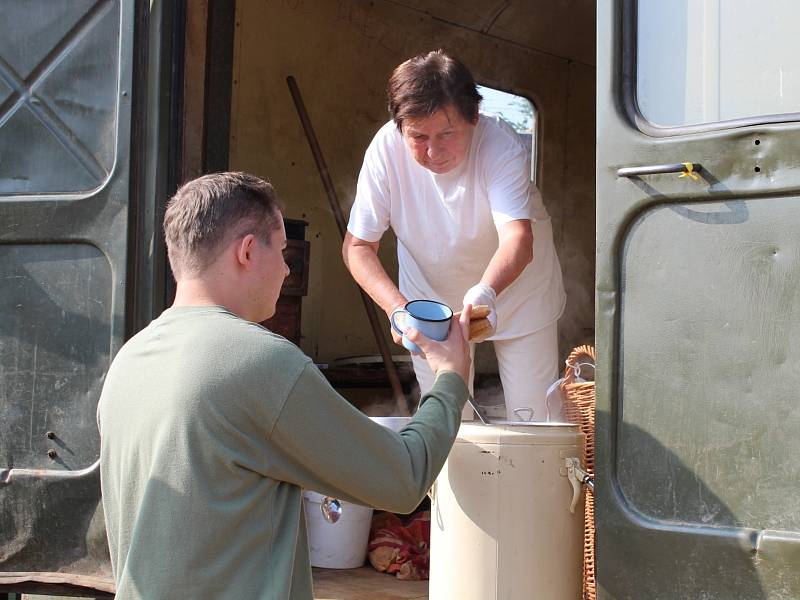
<point>427,83</point>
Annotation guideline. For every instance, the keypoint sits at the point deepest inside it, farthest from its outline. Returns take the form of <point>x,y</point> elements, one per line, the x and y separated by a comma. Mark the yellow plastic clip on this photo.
<point>689,172</point>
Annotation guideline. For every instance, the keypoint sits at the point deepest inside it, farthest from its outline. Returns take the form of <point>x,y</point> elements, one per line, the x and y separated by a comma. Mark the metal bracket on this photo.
<point>577,476</point>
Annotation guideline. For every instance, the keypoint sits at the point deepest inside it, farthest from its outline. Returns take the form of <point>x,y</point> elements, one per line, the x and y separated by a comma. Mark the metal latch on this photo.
<point>577,476</point>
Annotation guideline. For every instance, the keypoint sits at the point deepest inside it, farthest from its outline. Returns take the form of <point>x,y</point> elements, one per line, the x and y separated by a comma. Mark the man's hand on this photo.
<point>453,353</point>
<point>483,294</point>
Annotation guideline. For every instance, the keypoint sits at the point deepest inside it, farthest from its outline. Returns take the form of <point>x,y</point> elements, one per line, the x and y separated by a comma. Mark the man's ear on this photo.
<point>244,250</point>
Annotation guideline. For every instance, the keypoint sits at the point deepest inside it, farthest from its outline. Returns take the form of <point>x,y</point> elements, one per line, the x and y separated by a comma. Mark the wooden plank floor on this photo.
<point>365,584</point>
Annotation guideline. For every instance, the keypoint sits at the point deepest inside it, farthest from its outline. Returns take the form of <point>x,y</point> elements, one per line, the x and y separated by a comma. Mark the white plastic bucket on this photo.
<point>340,545</point>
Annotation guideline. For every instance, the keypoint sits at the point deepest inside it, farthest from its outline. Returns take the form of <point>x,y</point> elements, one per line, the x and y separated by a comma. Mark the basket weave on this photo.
<point>579,408</point>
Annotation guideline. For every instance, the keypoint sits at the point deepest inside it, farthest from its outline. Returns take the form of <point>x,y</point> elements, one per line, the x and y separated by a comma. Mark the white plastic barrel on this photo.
<point>501,526</point>
<point>340,545</point>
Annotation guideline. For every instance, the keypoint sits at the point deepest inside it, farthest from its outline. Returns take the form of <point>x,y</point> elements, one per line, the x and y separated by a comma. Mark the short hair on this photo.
<point>429,82</point>
<point>212,209</point>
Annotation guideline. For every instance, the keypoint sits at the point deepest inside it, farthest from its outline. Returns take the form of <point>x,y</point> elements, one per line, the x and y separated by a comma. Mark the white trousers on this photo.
<point>528,365</point>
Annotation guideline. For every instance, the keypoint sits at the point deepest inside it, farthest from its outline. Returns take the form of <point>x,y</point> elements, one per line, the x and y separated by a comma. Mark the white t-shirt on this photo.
<point>446,225</point>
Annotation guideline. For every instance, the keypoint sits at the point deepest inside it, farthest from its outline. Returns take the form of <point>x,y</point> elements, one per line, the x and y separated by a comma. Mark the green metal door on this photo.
<point>698,300</point>
<point>65,121</point>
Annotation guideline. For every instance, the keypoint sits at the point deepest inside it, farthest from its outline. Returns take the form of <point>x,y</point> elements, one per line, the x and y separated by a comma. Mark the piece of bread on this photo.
<point>481,311</point>
<point>479,325</point>
<point>479,328</point>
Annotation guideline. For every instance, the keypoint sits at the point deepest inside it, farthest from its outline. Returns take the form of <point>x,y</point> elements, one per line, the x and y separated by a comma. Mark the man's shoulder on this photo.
<point>212,329</point>
<point>256,339</point>
<point>275,343</point>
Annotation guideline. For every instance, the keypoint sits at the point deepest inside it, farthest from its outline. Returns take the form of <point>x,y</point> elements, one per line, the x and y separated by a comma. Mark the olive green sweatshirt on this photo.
<point>210,426</point>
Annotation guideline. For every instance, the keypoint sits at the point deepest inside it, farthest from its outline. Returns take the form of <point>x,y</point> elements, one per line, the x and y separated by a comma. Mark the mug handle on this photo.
<point>391,319</point>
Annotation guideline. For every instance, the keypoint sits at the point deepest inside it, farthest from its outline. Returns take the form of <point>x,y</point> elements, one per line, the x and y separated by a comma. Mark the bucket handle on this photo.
<point>524,409</point>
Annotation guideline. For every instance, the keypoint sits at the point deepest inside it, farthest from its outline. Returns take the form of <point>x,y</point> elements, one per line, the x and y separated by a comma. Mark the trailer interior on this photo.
<point>340,54</point>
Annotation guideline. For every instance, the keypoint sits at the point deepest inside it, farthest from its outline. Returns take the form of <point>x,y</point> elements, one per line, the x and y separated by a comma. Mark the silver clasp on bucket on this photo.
<point>577,476</point>
<point>331,509</point>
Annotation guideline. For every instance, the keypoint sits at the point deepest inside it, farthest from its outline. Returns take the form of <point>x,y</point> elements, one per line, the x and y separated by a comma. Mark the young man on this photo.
<point>455,187</point>
<point>210,425</point>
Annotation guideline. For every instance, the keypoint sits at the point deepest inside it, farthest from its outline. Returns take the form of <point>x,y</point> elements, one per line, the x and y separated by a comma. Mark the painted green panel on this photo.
<point>58,128</point>
<point>5,91</point>
<point>81,94</point>
<point>710,323</point>
<point>65,203</point>
<point>45,166</point>
<point>54,350</point>
<point>32,28</point>
<point>698,295</point>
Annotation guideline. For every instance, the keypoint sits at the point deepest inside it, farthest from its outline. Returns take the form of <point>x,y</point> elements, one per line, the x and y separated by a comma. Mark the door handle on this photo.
<point>687,169</point>
<point>9,475</point>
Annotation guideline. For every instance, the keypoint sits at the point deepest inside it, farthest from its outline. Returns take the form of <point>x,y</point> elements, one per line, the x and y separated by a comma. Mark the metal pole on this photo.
<point>372,315</point>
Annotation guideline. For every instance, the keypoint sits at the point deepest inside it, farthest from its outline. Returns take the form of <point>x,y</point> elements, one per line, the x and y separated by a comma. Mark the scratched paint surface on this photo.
<point>55,306</point>
<point>709,374</point>
<point>58,95</point>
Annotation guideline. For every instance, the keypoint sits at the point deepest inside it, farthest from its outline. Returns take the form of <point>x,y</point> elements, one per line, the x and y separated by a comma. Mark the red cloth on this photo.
<point>401,548</point>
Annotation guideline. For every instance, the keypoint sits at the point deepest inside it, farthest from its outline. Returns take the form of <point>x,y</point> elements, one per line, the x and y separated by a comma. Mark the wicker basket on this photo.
<point>579,408</point>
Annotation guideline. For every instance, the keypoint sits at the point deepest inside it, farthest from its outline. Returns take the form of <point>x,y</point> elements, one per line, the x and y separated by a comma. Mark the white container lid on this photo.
<point>393,423</point>
<point>517,432</point>
<point>313,496</point>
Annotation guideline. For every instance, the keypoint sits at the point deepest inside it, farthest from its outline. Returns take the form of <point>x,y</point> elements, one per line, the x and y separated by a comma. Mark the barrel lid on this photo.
<point>393,423</point>
<point>517,432</point>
